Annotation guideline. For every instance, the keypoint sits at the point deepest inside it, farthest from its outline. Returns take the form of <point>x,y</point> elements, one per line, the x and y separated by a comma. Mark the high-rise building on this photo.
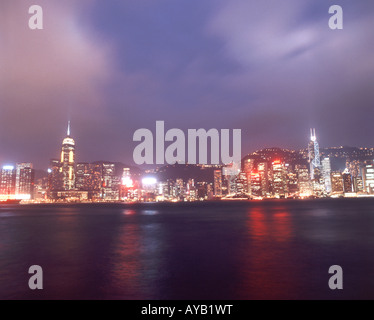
<point>24,181</point>
<point>326,174</point>
<point>68,162</point>
<point>55,182</point>
<point>81,175</point>
<point>126,177</point>
<point>354,167</point>
<point>41,186</point>
<point>292,180</point>
<point>110,182</point>
<point>358,185</point>
<point>254,184</point>
<point>202,190</point>
<point>95,177</point>
<point>248,165</point>
<point>337,186</point>
<point>179,188</point>
<point>368,177</point>
<point>313,152</point>
<point>241,184</point>
<point>229,175</point>
<point>209,191</point>
<point>347,181</point>
<point>218,183</point>
<point>264,178</point>
<point>191,190</point>
<point>279,178</point>
<point>164,191</point>
<point>7,182</point>
<point>303,180</point>
<point>128,187</point>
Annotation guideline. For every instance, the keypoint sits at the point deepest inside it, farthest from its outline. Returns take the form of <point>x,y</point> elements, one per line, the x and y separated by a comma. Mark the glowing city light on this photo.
<point>8,167</point>
<point>148,181</point>
<point>127,182</point>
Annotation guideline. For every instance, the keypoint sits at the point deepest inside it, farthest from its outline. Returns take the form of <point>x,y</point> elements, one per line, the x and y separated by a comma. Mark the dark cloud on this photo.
<point>47,77</point>
<point>271,69</point>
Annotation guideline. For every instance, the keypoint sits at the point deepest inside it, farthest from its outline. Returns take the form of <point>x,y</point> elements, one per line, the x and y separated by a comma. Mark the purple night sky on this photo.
<point>271,68</point>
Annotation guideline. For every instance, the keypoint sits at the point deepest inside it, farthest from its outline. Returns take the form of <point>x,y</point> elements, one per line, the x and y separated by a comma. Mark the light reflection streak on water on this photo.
<point>136,245</point>
<point>129,212</point>
<point>150,212</point>
<point>269,234</point>
<point>126,265</point>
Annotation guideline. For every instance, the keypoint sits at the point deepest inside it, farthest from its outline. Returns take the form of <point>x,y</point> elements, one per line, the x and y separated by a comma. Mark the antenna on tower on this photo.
<point>68,128</point>
<point>313,134</point>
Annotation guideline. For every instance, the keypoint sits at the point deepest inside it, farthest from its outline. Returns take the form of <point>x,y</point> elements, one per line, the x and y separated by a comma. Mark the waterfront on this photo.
<point>279,249</point>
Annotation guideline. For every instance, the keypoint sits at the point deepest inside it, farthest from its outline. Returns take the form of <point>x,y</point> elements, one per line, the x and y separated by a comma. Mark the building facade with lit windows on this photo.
<point>279,183</point>
<point>368,177</point>
<point>263,171</point>
<point>218,183</point>
<point>303,181</point>
<point>347,181</point>
<point>25,176</point>
<point>337,186</point>
<point>110,182</point>
<point>313,154</point>
<point>326,174</point>
<point>7,182</point>
<point>68,162</point>
<point>17,182</point>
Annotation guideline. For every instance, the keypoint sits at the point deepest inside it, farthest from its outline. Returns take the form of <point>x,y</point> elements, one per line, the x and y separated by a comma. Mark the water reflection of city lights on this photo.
<point>150,212</point>
<point>129,212</point>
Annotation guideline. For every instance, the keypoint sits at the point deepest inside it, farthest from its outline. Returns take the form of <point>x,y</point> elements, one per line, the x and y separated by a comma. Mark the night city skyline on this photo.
<point>186,157</point>
<point>269,173</point>
<point>112,69</point>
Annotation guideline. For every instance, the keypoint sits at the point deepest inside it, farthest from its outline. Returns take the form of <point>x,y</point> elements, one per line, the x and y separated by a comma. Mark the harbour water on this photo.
<point>279,249</point>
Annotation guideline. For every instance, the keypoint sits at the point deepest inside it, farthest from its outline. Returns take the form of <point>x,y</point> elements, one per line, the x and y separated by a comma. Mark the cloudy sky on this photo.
<point>271,68</point>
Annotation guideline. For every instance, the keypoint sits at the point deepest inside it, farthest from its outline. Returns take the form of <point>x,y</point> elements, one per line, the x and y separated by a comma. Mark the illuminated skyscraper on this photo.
<point>279,179</point>
<point>368,177</point>
<point>249,165</point>
<point>82,176</point>
<point>254,184</point>
<point>229,175</point>
<point>326,174</point>
<point>68,161</point>
<point>313,151</point>
<point>264,177</point>
<point>191,190</point>
<point>179,188</point>
<point>241,184</point>
<point>24,181</point>
<point>337,185</point>
<point>7,182</point>
<point>218,183</point>
<point>55,176</point>
<point>110,182</point>
<point>292,180</point>
<point>347,181</point>
<point>303,181</point>
<point>358,185</point>
<point>126,177</point>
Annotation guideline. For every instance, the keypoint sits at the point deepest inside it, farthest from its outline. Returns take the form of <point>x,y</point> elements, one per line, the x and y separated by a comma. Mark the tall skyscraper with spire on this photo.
<point>313,151</point>
<point>68,161</point>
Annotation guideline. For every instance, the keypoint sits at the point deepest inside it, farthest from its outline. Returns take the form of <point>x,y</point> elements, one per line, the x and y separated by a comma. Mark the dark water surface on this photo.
<point>221,250</point>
